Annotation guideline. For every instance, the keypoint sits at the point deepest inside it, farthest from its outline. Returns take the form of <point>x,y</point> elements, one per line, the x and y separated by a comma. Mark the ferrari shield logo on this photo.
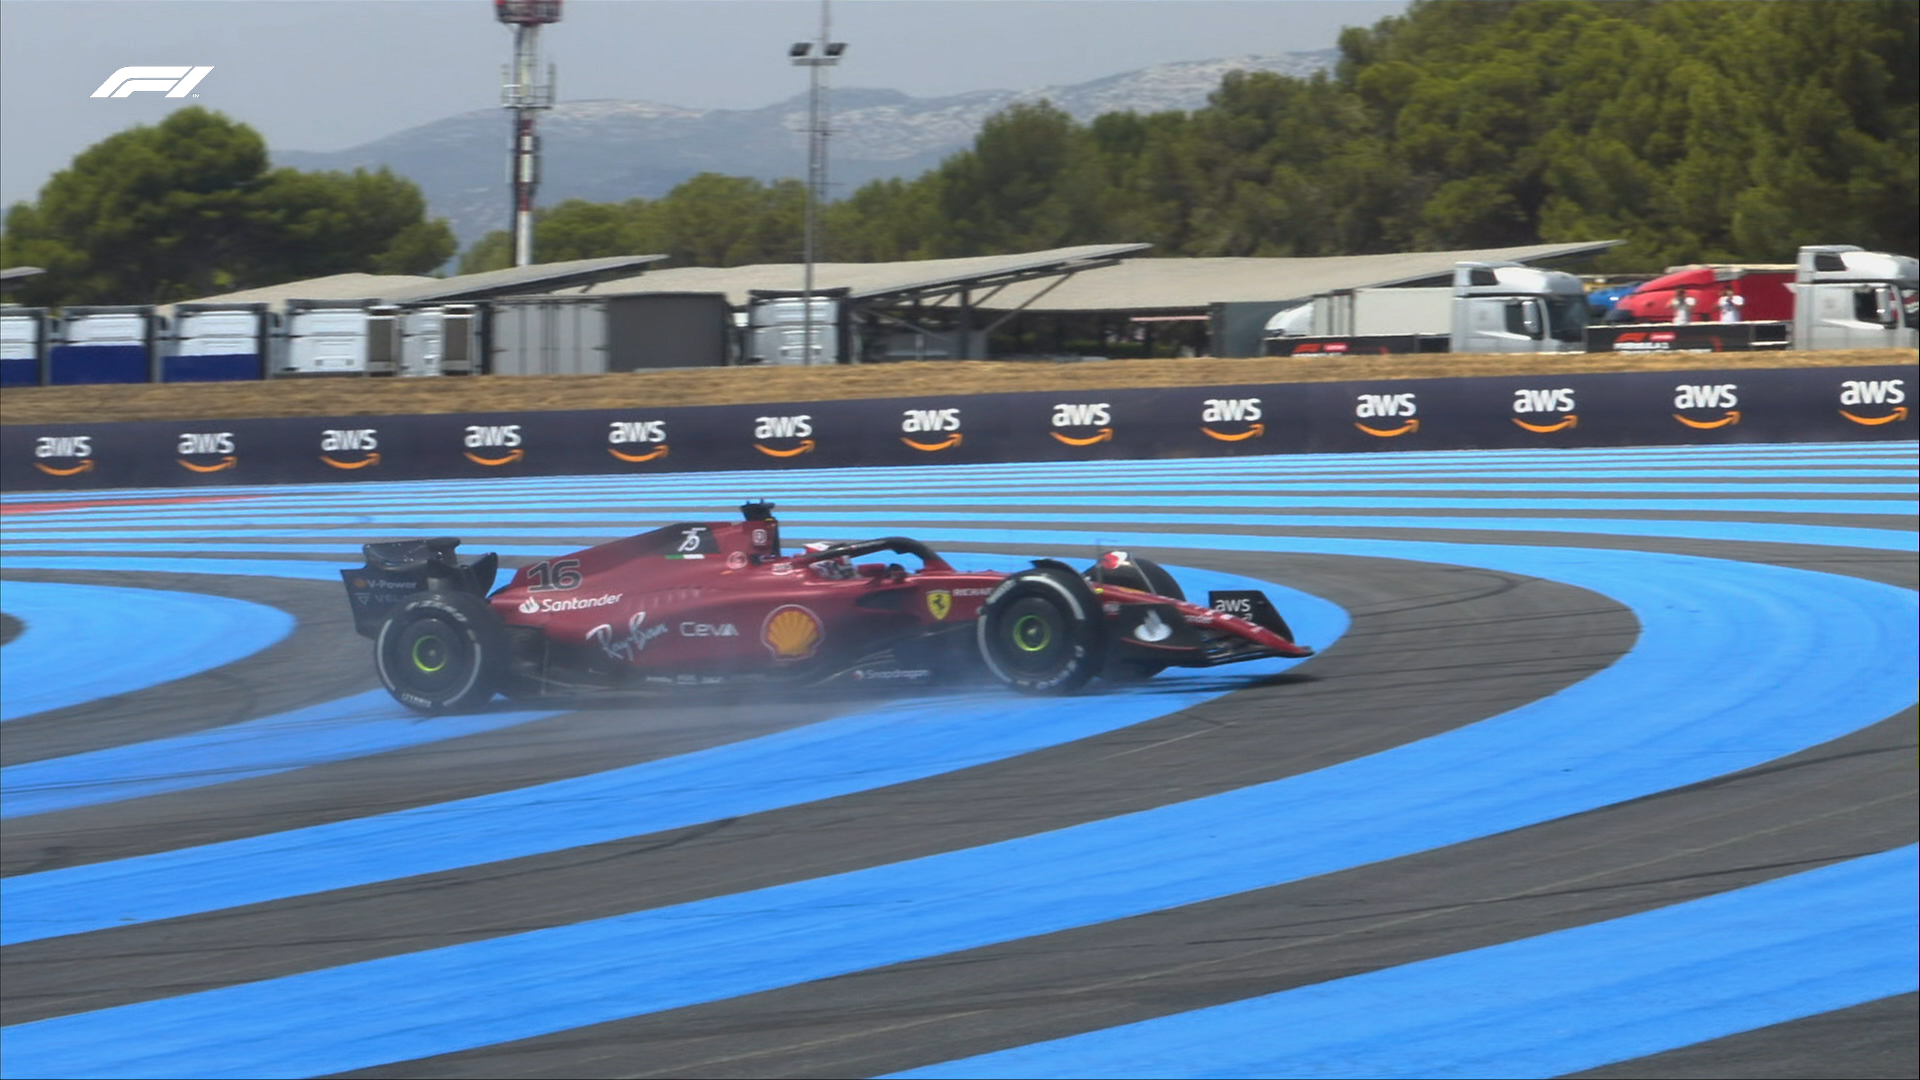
<point>939,602</point>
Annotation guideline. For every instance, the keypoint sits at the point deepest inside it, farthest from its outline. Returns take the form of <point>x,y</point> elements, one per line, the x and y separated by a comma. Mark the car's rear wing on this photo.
<point>397,569</point>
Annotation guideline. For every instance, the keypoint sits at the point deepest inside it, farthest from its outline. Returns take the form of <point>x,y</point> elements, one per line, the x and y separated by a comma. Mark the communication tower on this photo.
<point>522,94</point>
<point>802,54</point>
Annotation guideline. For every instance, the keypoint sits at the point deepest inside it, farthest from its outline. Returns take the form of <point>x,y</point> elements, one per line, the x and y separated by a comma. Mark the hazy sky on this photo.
<point>331,74</point>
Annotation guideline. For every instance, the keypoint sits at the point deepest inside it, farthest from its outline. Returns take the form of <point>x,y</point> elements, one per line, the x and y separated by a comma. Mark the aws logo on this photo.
<point>916,421</point>
<point>1879,392</point>
<point>1093,414</point>
<point>207,444</point>
<point>1722,396</point>
<point>1388,407</point>
<point>1232,411</point>
<point>784,427</point>
<point>75,448</point>
<point>350,441</point>
<point>640,433</point>
<point>1546,401</point>
<point>492,438</point>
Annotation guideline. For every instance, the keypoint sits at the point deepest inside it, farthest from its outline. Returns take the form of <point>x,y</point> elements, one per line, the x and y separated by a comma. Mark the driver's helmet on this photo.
<point>837,569</point>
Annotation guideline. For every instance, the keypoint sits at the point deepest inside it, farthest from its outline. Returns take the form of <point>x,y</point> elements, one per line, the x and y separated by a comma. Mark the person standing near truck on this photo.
<point>1682,307</point>
<point>1731,304</point>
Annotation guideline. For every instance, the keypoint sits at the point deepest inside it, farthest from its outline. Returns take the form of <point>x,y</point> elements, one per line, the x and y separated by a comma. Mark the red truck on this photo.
<point>1760,293</point>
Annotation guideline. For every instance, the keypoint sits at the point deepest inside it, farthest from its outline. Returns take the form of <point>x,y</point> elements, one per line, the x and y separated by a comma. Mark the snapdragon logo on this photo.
<point>175,82</point>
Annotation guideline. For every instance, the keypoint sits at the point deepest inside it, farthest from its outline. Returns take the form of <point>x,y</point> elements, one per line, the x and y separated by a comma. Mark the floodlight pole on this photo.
<point>523,95</point>
<point>801,53</point>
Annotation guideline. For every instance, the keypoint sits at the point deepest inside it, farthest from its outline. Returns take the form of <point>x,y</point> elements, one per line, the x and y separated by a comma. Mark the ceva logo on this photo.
<point>1546,401</point>
<point>784,427</point>
<point>915,421</point>
<point>1722,396</point>
<point>1232,411</point>
<point>1083,415</point>
<point>643,433</point>
<point>175,82</point>
<point>1857,392</point>
<point>207,444</point>
<point>1390,406</point>
<point>350,441</point>
<point>75,448</point>
<point>494,437</point>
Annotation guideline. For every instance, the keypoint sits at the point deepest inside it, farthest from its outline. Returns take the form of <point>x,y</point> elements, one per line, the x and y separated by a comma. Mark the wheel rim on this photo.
<point>430,658</point>
<point>1036,636</point>
<point>1032,634</point>
<point>429,654</point>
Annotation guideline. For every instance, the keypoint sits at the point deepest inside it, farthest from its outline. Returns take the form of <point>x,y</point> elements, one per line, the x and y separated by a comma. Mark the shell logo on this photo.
<point>792,632</point>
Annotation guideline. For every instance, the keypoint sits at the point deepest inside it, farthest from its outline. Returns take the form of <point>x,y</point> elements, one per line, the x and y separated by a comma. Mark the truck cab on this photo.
<point>1850,298</point>
<point>1513,308</point>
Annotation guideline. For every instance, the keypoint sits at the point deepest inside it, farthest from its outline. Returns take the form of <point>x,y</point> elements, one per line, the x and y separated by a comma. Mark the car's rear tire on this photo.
<point>1134,572</point>
<point>441,652</point>
<point>1041,631</point>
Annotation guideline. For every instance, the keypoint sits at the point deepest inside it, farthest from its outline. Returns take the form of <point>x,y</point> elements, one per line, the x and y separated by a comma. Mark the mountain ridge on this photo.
<point>610,150</point>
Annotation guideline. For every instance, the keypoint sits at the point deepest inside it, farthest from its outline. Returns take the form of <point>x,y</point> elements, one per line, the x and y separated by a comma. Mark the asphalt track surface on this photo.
<point>1606,768</point>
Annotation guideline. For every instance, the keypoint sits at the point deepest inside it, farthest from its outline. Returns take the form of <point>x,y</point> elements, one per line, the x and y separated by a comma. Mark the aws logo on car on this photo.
<point>211,451</point>
<point>1228,411</point>
<point>928,424</point>
<point>63,455</point>
<point>1723,397</point>
<point>648,439</point>
<point>1877,395</point>
<point>1080,416</point>
<point>494,445</point>
<point>348,442</point>
<point>1383,410</point>
<point>794,430</point>
<point>1533,402</point>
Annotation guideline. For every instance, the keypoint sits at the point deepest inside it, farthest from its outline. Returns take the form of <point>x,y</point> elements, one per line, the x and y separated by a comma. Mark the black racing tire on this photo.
<point>440,652</point>
<point>1042,631</point>
<point>1138,573</point>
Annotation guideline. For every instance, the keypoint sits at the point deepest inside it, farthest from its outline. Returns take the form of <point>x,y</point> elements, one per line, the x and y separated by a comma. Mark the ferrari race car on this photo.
<point>719,603</point>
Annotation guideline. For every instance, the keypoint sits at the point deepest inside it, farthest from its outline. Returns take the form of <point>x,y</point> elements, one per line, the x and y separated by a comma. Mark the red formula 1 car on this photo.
<point>716,603</point>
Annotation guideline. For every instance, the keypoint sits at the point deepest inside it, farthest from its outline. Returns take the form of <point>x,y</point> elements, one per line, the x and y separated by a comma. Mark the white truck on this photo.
<point>1849,298</point>
<point>1844,298</point>
<point>1490,307</point>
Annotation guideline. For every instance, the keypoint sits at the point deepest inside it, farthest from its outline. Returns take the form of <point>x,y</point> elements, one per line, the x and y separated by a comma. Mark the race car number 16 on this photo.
<point>560,576</point>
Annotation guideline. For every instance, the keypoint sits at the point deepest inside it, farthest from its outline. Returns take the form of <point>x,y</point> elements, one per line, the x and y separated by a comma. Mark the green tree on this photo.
<point>494,251</point>
<point>189,207</point>
<point>1033,179</point>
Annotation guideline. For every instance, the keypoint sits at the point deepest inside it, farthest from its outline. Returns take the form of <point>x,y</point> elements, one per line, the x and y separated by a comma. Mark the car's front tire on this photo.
<point>1041,631</point>
<point>441,652</point>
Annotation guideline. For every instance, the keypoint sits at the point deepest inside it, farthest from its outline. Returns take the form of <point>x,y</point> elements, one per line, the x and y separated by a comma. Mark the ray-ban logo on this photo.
<point>174,81</point>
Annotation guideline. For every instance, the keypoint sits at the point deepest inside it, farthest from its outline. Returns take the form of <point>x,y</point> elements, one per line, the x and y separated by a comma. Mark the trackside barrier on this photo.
<point>1626,409</point>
